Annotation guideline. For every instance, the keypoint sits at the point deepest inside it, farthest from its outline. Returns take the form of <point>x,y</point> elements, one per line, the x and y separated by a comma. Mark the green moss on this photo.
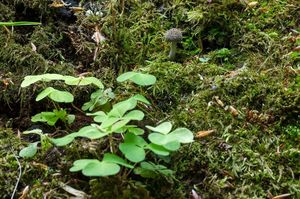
<point>242,55</point>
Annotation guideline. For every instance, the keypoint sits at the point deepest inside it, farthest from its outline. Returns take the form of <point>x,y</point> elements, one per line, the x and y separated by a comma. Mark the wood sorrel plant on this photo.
<point>162,140</point>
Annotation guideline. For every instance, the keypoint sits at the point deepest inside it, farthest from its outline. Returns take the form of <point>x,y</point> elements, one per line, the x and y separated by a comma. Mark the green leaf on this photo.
<point>131,138</point>
<point>70,118</point>
<point>88,106</point>
<point>182,135</point>
<point>63,140</point>
<point>112,158</point>
<point>126,76</point>
<point>172,146</point>
<point>44,93</point>
<point>109,122</point>
<point>157,149</point>
<point>48,117</point>
<point>121,108</point>
<point>61,96</point>
<point>132,152</point>
<point>163,128</point>
<point>159,139</point>
<point>141,98</point>
<point>100,116</point>
<point>135,130</point>
<point>82,81</point>
<point>151,170</point>
<point>93,167</point>
<point>101,169</point>
<point>118,125</point>
<point>138,78</point>
<point>29,151</point>
<point>31,79</point>
<point>81,164</point>
<point>134,115</point>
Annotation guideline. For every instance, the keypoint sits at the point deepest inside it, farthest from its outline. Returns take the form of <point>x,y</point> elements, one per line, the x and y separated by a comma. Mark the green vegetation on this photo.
<point>107,124</point>
<point>19,23</point>
<point>234,82</point>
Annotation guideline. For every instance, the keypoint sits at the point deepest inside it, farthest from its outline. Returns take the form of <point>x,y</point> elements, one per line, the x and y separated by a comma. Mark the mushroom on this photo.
<point>173,36</point>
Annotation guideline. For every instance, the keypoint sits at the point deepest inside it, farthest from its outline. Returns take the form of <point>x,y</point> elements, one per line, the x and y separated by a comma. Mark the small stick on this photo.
<point>19,177</point>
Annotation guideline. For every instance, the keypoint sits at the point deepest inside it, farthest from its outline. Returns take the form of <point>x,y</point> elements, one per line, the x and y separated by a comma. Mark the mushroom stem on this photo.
<point>172,50</point>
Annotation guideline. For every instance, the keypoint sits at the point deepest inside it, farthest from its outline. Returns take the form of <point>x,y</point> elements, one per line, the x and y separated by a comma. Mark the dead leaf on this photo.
<point>218,101</point>
<point>201,134</point>
<point>24,193</point>
<point>33,47</point>
<point>98,37</point>
<point>296,48</point>
<point>253,4</point>
<point>77,9</point>
<point>282,196</point>
<point>194,195</point>
<point>40,165</point>
<point>78,194</point>
<point>57,4</point>
<point>232,110</point>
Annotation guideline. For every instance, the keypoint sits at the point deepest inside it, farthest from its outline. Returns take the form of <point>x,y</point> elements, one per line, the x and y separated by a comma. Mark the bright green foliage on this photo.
<point>91,132</point>
<point>98,98</point>
<point>56,95</point>
<point>95,167</point>
<point>108,166</point>
<point>138,78</point>
<point>31,79</point>
<point>107,123</point>
<point>151,170</point>
<point>52,117</point>
<point>133,147</point>
<point>30,151</point>
<point>167,139</point>
<point>82,81</point>
<point>69,80</point>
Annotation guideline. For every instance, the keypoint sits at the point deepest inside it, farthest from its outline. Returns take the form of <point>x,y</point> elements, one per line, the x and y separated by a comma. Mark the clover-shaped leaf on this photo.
<point>112,158</point>
<point>134,139</point>
<point>82,81</point>
<point>56,95</point>
<point>159,150</point>
<point>181,135</point>
<point>63,140</point>
<point>132,152</point>
<point>151,170</point>
<point>101,169</point>
<point>121,108</point>
<point>169,140</point>
<point>31,79</point>
<point>91,132</point>
<point>138,78</point>
<point>163,128</point>
<point>92,167</point>
<point>133,147</point>
<point>29,151</point>
<point>134,115</point>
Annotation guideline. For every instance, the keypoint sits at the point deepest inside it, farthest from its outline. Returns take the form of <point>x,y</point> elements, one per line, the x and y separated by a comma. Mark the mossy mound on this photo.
<point>236,72</point>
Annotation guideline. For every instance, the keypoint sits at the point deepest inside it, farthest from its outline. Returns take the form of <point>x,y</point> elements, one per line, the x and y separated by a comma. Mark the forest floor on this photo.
<point>235,83</point>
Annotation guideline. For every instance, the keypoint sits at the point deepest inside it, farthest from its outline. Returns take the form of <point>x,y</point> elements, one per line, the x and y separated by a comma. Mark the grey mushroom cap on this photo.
<point>173,35</point>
